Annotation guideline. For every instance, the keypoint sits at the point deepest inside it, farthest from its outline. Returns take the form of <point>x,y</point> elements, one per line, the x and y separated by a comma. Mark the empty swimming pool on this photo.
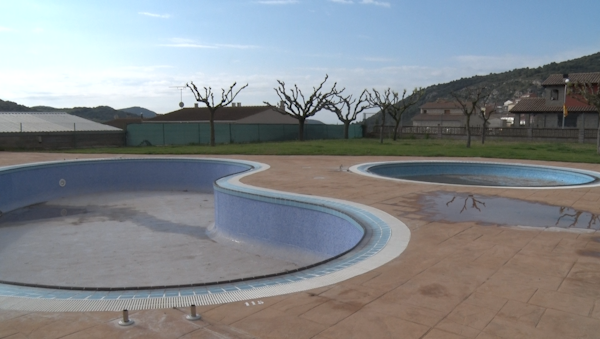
<point>480,174</point>
<point>112,230</point>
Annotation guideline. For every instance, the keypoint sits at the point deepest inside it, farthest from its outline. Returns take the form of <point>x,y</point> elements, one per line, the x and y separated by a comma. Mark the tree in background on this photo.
<point>208,99</point>
<point>485,113</point>
<point>399,107</point>
<point>296,105</point>
<point>469,100</point>
<point>347,109</point>
<point>390,102</point>
<point>590,94</point>
<point>383,101</point>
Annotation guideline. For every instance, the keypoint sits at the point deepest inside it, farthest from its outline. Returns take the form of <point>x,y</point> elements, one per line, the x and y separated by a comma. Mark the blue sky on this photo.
<point>130,53</point>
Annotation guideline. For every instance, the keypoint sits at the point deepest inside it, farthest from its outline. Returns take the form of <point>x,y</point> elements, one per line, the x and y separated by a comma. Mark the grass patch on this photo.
<point>568,152</point>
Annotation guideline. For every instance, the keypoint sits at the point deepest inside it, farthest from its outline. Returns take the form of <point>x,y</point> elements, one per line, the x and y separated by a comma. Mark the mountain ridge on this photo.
<point>98,114</point>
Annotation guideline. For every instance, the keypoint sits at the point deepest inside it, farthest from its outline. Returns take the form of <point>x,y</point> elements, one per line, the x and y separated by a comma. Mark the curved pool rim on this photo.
<point>594,177</point>
<point>389,238</point>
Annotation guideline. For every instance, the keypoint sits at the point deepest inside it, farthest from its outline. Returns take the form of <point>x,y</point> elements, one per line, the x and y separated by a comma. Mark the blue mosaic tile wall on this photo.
<point>285,223</point>
<point>25,185</point>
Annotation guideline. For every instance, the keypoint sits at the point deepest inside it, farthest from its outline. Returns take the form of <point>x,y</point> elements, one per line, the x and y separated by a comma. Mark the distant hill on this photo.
<point>97,114</point>
<point>507,85</point>
<point>137,110</point>
<point>9,106</point>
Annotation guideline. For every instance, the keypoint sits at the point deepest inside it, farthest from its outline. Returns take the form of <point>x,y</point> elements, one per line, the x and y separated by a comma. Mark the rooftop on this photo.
<point>47,122</point>
<point>538,105</point>
<point>558,79</point>
<point>441,104</point>
<point>228,113</point>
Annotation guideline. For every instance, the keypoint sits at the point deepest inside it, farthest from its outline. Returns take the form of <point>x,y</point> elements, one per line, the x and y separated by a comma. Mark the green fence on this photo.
<point>199,133</point>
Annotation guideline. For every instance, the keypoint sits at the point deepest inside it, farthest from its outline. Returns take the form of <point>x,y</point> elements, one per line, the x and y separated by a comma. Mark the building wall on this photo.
<point>554,100</point>
<point>452,123</point>
<point>590,120</point>
<point>440,111</point>
<point>61,140</point>
<point>554,120</point>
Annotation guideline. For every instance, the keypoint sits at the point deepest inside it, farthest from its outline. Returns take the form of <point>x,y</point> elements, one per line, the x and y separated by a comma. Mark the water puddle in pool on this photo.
<point>492,210</point>
<point>483,180</point>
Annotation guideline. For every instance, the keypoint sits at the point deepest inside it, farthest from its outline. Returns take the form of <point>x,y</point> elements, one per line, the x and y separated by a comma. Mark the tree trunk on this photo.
<point>483,135</point>
<point>396,129</point>
<point>468,127</point>
<point>382,125</point>
<point>212,128</point>
<point>400,129</point>
<point>301,129</point>
<point>346,128</point>
<point>598,137</point>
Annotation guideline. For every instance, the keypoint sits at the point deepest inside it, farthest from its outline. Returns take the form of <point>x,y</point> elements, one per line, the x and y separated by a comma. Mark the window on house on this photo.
<point>554,94</point>
<point>446,111</point>
<point>424,111</point>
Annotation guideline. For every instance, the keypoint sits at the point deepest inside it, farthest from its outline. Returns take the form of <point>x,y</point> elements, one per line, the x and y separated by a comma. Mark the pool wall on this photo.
<point>292,227</point>
<point>26,185</point>
<point>404,170</point>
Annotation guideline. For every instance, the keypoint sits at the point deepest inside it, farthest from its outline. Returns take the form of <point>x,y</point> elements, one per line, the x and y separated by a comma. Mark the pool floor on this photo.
<point>125,239</point>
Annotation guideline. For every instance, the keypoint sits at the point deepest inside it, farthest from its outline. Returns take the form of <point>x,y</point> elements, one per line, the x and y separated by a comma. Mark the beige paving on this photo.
<point>455,280</point>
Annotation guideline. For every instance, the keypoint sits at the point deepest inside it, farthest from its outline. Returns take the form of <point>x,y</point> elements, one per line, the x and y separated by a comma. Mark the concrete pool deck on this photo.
<point>455,280</point>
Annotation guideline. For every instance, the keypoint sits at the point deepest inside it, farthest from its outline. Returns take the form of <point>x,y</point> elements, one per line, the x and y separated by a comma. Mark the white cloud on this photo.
<point>277,2</point>
<point>342,1</point>
<point>236,46</point>
<point>377,59</point>
<point>189,43</point>
<point>6,29</point>
<point>154,15</point>
<point>376,3</point>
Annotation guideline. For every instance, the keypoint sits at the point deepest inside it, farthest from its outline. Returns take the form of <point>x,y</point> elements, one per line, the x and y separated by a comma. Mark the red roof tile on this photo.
<point>538,105</point>
<point>441,104</point>
<point>203,114</point>
<point>557,79</point>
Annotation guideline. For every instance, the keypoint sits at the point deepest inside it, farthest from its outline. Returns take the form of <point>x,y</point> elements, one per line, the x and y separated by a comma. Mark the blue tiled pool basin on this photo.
<point>480,173</point>
<point>349,238</point>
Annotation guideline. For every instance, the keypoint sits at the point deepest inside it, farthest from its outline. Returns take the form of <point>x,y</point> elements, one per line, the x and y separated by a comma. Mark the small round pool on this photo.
<point>480,174</point>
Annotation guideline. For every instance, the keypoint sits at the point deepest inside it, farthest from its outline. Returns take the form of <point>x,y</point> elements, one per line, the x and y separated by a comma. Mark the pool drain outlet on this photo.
<point>193,315</point>
<point>126,321</point>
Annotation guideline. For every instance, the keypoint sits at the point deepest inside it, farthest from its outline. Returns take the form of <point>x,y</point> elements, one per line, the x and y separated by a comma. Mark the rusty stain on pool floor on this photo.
<point>493,210</point>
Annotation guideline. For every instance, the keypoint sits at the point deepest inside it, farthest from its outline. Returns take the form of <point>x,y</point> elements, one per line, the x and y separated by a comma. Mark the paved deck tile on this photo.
<point>454,280</point>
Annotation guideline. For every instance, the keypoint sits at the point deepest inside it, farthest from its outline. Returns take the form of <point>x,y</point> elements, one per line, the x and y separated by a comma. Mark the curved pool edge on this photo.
<point>362,168</point>
<point>383,251</point>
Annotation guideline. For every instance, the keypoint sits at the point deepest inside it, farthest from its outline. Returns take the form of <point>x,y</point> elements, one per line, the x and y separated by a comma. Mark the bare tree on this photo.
<point>398,108</point>
<point>589,93</point>
<point>383,101</point>
<point>485,113</point>
<point>469,100</point>
<point>296,105</point>
<point>208,99</point>
<point>346,108</point>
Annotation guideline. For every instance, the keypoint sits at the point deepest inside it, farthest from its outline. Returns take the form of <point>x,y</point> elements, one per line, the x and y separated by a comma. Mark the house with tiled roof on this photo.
<point>547,111</point>
<point>236,114</point>
<point>446,113</point>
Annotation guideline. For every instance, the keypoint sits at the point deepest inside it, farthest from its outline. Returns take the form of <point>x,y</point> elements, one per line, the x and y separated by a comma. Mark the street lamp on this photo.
<point>566,80</point>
